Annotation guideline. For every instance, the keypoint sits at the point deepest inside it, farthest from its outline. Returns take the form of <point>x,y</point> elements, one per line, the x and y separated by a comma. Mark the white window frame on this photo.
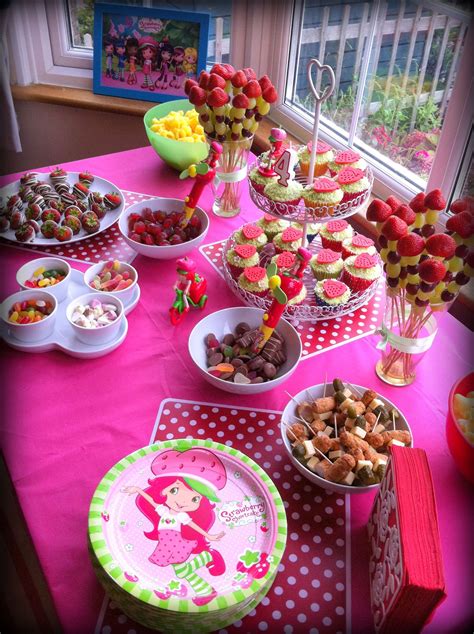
<point>267,50</point>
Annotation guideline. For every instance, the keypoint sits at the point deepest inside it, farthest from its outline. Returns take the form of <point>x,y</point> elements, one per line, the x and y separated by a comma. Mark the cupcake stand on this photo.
<point>308,310</point>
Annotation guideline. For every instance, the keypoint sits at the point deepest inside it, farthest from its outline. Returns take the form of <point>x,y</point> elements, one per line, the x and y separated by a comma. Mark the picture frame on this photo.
<point>144,53</point>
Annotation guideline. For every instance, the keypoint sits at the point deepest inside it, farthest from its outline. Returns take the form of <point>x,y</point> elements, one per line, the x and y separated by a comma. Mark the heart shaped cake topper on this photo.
<point>361,241</point>
<point>291,234</point>
<point>346,157</point>
<point>320,70</point>
<point>327,256</point>
<point>349,175</point>
<point>245,250</point>
<point>251,232</point>
<point>254,273</point>
<point>321,147</point>
<point>324,184</point>
<point>334,288</point>
<point>269,218</point>
<point>285,260</point>
<point>334,226</point>
<point>365,261</point>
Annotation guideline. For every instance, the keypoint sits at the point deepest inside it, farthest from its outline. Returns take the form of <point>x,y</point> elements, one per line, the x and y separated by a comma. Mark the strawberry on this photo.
<point>197,95</point>
<point>203,79</point>
<point>252,89</point>
<point>112,200</point>
<point>417,203</point>
<point>378,211</point>
<point>442,245</point>
<point>221,71</point>
<point>393,202</point>
<point>249,73</point>
<point>86,177</point>
<point>188,84</point>
<point>458,205</point>
<point>73,223</point>
<point>462,224</point>
<point>240,101</point>
<point>411,245</point>
<point>63,234</point>
<point>406,213</point>
<point>90,222</point>
<point>25,233</point>
<point>265,82</point>
<point>270,95</point>
<point>394,228</point>
<point>230,69</point>
<point>435,200</point>
<point>48,228</point>
<point>238,79</point>
<point>217,98</point>
<point>215,81</point>
<point>432,271</point>
<point>51,214</point>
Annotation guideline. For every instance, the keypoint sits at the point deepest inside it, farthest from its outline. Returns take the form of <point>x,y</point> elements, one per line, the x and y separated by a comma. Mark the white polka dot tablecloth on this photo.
<point>309,593</point>
<point>106,245</point>
<point>319,336</point>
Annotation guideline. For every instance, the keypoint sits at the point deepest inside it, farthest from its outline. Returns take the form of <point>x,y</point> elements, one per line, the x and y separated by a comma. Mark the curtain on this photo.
<point>10,134</point>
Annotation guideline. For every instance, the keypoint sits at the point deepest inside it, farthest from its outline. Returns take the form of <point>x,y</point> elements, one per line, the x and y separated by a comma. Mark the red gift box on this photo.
<point>406,569</point>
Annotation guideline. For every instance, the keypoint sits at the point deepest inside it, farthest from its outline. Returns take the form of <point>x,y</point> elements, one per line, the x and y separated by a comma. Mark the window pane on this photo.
<point>81,22</point>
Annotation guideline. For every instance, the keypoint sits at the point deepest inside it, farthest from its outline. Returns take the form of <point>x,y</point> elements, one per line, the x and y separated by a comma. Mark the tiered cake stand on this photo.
<point>308,310</point>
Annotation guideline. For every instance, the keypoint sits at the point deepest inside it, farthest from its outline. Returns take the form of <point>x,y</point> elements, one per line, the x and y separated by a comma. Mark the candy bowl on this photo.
<point>461,449</point>
<point>95,318</point>
<point>155,211</point>
<point>290,417</point>
<point>224,322</point>
<point>39,271</point>
<point>34,330</point>
<point>119,279</point>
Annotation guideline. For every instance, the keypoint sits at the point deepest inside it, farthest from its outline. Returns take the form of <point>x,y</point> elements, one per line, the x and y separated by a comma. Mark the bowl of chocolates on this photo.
<point>226,348</point>
<point>154,228</point>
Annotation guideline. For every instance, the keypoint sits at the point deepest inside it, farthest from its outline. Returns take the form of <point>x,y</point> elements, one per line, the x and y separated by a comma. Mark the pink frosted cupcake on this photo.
<point>251,234</point>
<point>288,240</point>
<point>333,234</point>
<point>254,280</point>
<point>346,158</point>
<point>241,257</point>
<point>285,261</point>
<point>353,183</point>
<point>261,176</point>
<point>357,245</point>
<point>361,271</point>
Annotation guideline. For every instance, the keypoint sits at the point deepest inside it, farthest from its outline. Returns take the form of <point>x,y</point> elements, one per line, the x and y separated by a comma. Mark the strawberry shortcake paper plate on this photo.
<point>184,528</point>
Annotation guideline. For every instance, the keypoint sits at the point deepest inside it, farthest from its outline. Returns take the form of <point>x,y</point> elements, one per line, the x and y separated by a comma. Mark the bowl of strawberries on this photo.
<point>153,228</point>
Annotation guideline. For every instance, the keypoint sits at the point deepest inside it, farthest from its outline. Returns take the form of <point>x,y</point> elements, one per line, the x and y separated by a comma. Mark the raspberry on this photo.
<point>441,245</point>
<point>394,228</point>
<point>432,271</point>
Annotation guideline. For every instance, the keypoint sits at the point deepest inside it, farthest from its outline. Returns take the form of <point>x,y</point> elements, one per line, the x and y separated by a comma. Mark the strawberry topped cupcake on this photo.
<point>254,279</point>
<point>346,158</point>
<point>261,177</point>
<point>333,234</point>
<point>324,154</point>
<point>288,240</point>
<point>356,245</point>
<point>251,234</point>
<point>322,195</point>
<point>326,264</point>
<point>289,195</point>
<point>272,225</point>
<point>284,261</point>
<point>360,271</point>
<point>241,257</point>
<point>353,182</point>
<point>331,293</point>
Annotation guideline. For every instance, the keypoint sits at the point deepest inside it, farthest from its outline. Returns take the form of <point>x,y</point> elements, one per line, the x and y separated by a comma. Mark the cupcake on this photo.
<point>353,182</point>
<point>251,234</point>
<point>356,245</point>
<point>261,177</point>
<point>334,232</point>
<point>346,158</point>
<point>272,225</point>
<point>331,293</point>
<point>241,257</point>
<point>254,280</point>
<point>284,261</point>
<point>288,240</point>
<point>322,195</point>
<point>326,264</point>
<point>360,271</point>
<point>324,154</point>
<point>289,195</point>
<point>298,299</point>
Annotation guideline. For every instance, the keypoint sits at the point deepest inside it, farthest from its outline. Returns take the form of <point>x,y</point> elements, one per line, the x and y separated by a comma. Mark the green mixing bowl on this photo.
<point>177,154</point>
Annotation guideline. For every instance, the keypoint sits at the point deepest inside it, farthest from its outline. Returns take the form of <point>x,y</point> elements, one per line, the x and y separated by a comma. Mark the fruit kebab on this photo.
<point>204,173</point>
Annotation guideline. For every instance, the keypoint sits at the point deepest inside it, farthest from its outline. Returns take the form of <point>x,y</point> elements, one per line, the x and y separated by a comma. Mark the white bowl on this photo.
<point>224,322</point>
<point>96,336</point>
<point>59,290</point>
<point>124,295</point>
<point>316,391</point>
<point>167,252</point>
<point>36,331</point>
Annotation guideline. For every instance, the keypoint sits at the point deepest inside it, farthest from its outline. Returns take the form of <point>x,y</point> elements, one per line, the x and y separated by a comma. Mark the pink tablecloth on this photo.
<point>69,421</point>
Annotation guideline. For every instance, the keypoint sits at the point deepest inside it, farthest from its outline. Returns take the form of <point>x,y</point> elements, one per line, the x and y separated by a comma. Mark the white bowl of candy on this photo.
<point>114,277</point>
<point>214,337</point>
<point>30,315</point>
<point>353,460</point>
<point>151,227</point>
<point>48,274</point>
<point>95,318</point>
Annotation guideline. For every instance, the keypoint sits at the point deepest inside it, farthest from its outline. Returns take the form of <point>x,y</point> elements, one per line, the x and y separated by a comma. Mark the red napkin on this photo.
<point>406,568</point>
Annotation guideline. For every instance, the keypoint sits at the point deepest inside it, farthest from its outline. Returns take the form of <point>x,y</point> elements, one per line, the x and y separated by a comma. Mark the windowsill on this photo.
<point>462,309</point>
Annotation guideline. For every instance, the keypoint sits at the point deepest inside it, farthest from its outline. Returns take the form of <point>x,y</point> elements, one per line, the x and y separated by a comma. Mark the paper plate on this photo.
<point>148,564</point>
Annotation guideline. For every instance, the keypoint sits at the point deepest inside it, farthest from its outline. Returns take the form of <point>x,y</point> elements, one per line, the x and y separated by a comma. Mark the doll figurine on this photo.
<point>190,288</point>
<point>120,49</point>
<point>109,57</point>
<point>178,69</point>
<point>147,55</point>
<point>131,50</point>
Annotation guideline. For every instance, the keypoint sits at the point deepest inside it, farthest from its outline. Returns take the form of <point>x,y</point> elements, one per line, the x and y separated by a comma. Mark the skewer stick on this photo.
<point>377,421</point>
<point>323,455</point>
<point>307,425</point>
<point>356,392</point>
<point>335,426</point>
<point>288,428</point>
<point>393,419</point>
<point>292,398</point>
<point>309,395</point>
<point>325,384</point>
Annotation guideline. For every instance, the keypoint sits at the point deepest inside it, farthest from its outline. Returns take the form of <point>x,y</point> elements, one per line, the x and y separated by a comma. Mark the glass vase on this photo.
<point>407,332</point>
<point>231,176</point>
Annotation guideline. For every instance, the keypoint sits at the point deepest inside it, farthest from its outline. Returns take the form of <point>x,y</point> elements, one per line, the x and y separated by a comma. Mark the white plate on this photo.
<point>316,391</point>
<point>99,185</point>
<point>63,337</point>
